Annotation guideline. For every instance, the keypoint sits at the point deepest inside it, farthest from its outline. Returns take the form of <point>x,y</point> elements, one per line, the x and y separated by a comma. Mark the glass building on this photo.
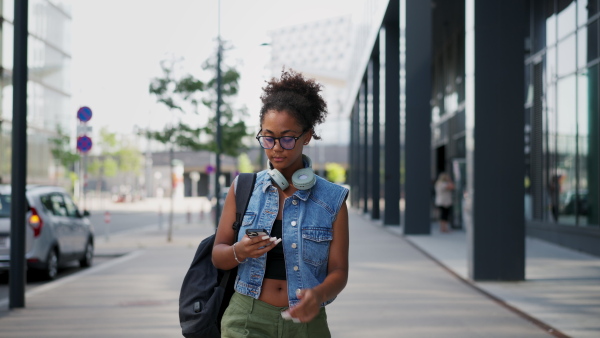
<point>503,95</point>
<point>48,88</point>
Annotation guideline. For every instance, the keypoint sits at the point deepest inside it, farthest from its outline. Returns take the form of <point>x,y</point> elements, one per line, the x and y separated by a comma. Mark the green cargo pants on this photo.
<point>249,317</point>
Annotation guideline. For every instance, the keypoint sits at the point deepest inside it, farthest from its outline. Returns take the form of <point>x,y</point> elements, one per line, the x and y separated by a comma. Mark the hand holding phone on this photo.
<point>256,232</point>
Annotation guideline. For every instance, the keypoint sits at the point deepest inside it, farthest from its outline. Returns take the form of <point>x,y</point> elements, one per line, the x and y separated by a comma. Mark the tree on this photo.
<point>63,154</point>
<point>185,94</point>
<point>114,158</point>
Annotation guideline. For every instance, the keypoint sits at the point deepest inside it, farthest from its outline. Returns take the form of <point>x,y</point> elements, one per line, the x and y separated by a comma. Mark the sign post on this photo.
<point>84,145</point>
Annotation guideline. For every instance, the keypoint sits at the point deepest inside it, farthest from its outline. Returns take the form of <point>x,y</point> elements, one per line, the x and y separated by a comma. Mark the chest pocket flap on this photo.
<point>316,245</point>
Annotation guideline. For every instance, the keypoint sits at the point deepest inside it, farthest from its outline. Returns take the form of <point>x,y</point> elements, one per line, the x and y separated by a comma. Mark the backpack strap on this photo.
<point>243,191</point>
<point>245,185</point>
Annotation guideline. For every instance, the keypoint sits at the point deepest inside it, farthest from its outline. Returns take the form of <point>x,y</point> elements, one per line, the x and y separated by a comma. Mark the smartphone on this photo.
<point>256,232</point>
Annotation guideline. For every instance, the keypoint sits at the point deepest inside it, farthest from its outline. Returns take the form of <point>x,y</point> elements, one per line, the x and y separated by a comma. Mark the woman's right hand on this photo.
<point>254,247</point>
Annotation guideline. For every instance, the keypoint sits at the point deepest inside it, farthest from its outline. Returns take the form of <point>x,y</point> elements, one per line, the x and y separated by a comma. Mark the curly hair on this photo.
<point>297,96</point>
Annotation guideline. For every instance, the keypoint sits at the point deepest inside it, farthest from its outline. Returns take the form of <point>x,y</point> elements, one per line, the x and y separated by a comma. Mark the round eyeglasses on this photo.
<point>286,142</point>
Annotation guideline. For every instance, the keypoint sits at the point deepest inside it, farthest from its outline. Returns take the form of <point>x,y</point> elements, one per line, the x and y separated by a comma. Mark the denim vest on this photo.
<point>307,229</point>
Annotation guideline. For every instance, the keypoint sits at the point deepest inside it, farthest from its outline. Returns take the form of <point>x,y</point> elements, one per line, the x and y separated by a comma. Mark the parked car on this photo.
<point>56,232</point>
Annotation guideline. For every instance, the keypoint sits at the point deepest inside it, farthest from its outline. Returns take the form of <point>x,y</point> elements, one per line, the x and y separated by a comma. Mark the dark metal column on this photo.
<point>391,215</point>
<point>417,140</point>
<point>375,141</point>
<point>361,147</point>
<point>366,148</point>
<point>19,159</point>
<point>495,138</point>
<point>355,168</point>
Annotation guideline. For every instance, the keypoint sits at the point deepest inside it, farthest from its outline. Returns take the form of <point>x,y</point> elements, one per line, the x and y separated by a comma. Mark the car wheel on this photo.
<point>52,266</point>
<point>88,256</point>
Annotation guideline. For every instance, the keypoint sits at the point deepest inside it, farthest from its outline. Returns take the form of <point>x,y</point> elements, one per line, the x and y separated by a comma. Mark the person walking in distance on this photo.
<point>443,199</point>
<point>292,248</point>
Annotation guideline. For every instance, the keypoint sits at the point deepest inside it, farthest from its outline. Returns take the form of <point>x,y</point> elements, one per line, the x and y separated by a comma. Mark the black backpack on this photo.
<point>206,290</point>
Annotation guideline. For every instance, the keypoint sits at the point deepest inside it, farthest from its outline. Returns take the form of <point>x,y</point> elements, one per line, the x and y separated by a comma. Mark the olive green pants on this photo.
<point>249,317</point>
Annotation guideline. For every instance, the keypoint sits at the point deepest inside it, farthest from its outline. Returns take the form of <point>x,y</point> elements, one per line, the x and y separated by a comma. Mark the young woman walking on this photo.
<point>286,276</point>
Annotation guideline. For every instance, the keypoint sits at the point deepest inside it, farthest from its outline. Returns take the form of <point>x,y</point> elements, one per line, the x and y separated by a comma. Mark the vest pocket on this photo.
<point>315,242</point>
<point>248,219</point>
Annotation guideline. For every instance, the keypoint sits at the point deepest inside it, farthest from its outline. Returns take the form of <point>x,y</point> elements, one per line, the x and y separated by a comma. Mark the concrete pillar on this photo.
<point>494,75</point>
<point>417,140</point>
<point>391,24</point>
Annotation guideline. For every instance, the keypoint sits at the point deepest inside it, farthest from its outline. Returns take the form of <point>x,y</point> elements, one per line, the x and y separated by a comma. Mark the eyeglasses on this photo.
<point>286,142</point>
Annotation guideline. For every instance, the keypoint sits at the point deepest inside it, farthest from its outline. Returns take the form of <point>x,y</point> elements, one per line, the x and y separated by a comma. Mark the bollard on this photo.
<point>107,226</point>
<point>160,218</point>
<point>189,216</point>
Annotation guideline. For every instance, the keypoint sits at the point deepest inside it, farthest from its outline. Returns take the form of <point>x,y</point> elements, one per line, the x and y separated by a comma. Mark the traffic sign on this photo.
<point>84,114</point>
<point>84,143</point>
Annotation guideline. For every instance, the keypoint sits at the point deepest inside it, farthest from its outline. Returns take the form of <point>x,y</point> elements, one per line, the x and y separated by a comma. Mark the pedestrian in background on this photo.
<point>443,199</point>
<point>299,264</point>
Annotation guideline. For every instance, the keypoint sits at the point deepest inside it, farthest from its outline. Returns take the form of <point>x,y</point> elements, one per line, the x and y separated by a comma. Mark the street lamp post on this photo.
<point>218,122</point>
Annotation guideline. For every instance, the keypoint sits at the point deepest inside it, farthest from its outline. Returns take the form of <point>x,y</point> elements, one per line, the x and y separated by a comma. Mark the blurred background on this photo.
<point>148,72</point>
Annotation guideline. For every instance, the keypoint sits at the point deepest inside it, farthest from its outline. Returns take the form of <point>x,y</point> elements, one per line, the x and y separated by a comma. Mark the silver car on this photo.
<point>56,233</point>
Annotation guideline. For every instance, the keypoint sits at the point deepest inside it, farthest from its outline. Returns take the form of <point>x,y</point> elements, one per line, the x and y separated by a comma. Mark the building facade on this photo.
<point>503,95</point>
<point>48,88</point>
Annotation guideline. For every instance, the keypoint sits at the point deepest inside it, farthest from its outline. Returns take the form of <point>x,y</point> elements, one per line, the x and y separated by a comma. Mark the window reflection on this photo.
<point>587,194</point>
<point>564,179</point>
<point>566,56</point>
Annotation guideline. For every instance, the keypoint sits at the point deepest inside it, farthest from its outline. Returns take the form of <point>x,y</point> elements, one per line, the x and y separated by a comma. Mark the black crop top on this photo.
<point>275,268</point>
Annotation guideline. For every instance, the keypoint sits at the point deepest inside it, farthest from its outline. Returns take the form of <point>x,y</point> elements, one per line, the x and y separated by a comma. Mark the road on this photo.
<point>120,221</point>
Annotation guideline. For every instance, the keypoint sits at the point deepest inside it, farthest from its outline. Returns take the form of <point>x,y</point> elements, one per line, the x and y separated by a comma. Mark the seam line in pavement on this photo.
<point>547,328</point>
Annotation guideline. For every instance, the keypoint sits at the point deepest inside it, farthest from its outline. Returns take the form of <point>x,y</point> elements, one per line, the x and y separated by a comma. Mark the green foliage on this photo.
<point>244,164</point>
<point>130,160</point>
<point>60,147</point>
<point>111,167</point>
<point>335,172</point>
<point>94,167</point>
<point>108,141</point>
<point>114,158</point>
<point>178,94</point>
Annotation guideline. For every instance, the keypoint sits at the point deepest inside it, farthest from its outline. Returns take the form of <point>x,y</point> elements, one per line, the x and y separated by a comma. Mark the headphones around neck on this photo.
<point>302,179</point>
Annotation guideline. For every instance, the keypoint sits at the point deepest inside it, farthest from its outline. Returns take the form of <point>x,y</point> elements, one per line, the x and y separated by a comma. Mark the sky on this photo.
<point>118,46</point>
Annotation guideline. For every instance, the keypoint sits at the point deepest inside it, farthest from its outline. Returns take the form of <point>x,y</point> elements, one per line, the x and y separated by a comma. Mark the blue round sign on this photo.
<point>84,114</point>
<point>84,144</point>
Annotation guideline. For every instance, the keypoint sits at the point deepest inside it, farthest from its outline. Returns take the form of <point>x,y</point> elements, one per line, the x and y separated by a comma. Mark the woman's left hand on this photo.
<point>308,308</point>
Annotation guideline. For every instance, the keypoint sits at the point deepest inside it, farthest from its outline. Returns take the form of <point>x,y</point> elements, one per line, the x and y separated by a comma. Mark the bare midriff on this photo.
<point>274,292</point>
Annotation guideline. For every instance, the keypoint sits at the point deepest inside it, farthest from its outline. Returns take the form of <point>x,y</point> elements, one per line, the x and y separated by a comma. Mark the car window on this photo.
<point>71,208</point>
<point>58,205</point>
<point>4,206</point>
<point>47,203</point>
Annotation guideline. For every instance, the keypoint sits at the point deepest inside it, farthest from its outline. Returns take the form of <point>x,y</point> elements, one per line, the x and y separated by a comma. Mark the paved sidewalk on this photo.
<point>394,290</point>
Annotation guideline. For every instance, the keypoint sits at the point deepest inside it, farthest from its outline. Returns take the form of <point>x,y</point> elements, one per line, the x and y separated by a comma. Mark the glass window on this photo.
<point>566,56</point>
<point>592,7</point>
<point>588,126</point>
<point>549,150</point>
<point>582,47</point>
<point>71,208</point>
<point>566,19</point>
<point>58,205</point>
<point>551,30</point>
<point>582,12</point>
<point>4,206</point>
<point>592,41</point>
<point>565,179</point>
<point>550,65</point>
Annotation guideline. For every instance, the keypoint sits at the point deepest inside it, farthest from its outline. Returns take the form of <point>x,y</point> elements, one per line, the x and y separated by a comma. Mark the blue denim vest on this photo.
<point>307,229</point>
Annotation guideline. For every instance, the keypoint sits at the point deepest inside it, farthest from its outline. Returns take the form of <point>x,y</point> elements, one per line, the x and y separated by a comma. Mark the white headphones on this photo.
<point>302,179</point>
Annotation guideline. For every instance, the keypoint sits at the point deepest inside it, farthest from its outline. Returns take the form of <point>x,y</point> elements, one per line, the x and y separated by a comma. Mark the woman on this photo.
<point>286,278</point>
<point>443,199</point>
